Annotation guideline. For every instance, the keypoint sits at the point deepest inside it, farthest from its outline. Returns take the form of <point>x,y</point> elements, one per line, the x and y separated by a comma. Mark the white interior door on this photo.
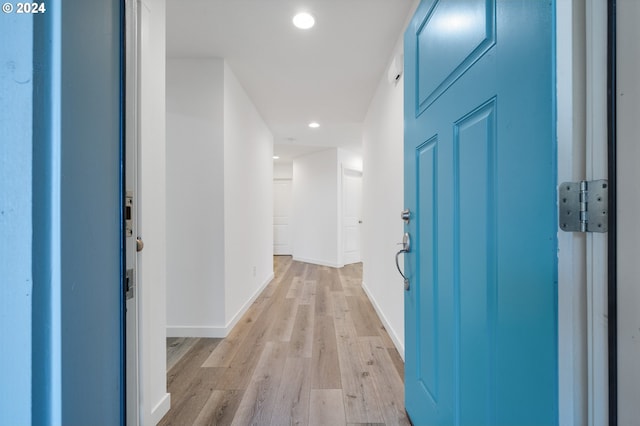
<point>282,194</point>
<point>351,215</point>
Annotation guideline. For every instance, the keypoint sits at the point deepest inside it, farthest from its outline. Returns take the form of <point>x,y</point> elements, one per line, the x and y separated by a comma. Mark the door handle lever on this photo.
<point>406,246</point>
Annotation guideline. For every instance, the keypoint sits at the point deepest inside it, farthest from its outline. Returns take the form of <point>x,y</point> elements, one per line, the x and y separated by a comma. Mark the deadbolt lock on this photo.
<point>405,215</point>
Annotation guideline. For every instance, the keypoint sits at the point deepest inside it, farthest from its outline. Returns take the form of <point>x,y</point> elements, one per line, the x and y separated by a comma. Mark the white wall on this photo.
<point>383,194</point>
<point>220,198</point>
<point>195,194</point>
<point>248,199</point>
<point>152,260</point>
<point>316,221</point>
<point>283,170</point>
<point>315,208</point>
<point>349,160</point>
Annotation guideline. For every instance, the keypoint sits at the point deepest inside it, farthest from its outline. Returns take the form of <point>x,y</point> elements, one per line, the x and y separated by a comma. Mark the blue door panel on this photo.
<point>474,288</point>
<point>91,293</point>
<point>60,80</point>
<point>16,281</point>
<point>441,58</point>
<point>427,318</point>
<point>480,315</point>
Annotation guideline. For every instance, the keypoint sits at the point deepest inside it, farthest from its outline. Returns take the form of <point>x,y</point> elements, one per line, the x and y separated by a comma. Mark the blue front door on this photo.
<point>480,181</point>
<point>90,212</point>
<point>61,236</point>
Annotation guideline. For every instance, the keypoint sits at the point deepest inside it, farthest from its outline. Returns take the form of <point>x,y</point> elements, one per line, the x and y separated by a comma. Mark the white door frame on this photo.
<point>153,399</point>
<point>596,168</point>
<point>581,34</point>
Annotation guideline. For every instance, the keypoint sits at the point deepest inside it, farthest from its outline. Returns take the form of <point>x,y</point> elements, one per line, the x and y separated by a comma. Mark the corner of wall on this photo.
<point>248,197</point>
<point>245,307</point>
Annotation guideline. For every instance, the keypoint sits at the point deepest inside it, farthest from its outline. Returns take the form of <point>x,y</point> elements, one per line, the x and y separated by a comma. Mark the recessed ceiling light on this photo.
<point>304,21</point>
<point>275,157</point>
<point>314,125</point>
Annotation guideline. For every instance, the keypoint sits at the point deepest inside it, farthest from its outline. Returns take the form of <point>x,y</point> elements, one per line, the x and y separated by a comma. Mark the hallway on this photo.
<point>310,351</point>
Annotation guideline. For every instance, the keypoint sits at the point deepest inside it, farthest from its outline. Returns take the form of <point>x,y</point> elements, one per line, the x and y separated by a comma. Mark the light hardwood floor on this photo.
<point>309,351</point>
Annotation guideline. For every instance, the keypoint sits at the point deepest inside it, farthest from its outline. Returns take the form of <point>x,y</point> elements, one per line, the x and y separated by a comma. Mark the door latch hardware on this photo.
<point>584,206</point>
<point>406,247</point>
<point>128,214</point>
<point>129,283</point>
<point>406,215</point>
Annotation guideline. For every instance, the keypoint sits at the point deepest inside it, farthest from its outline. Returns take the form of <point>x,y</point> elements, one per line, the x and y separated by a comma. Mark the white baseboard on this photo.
<point>317,262</point>
<point>196,331</point>
<point>158,412</point>
<point>216,331</point>
<point>248,303</point>
<point>392,333</point>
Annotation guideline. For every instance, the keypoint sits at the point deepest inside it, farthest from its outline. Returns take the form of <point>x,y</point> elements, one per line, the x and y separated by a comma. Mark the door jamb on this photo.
<point>131,136</point>
<point>581,35</point>
<point>612,249</point>
<point>597,168</point>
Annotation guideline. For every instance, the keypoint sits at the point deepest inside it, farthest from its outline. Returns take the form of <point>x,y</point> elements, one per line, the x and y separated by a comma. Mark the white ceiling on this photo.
<point>326,74</point>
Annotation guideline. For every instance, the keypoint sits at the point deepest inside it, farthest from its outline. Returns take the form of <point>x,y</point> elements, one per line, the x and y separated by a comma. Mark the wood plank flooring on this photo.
<point>309,351</point>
